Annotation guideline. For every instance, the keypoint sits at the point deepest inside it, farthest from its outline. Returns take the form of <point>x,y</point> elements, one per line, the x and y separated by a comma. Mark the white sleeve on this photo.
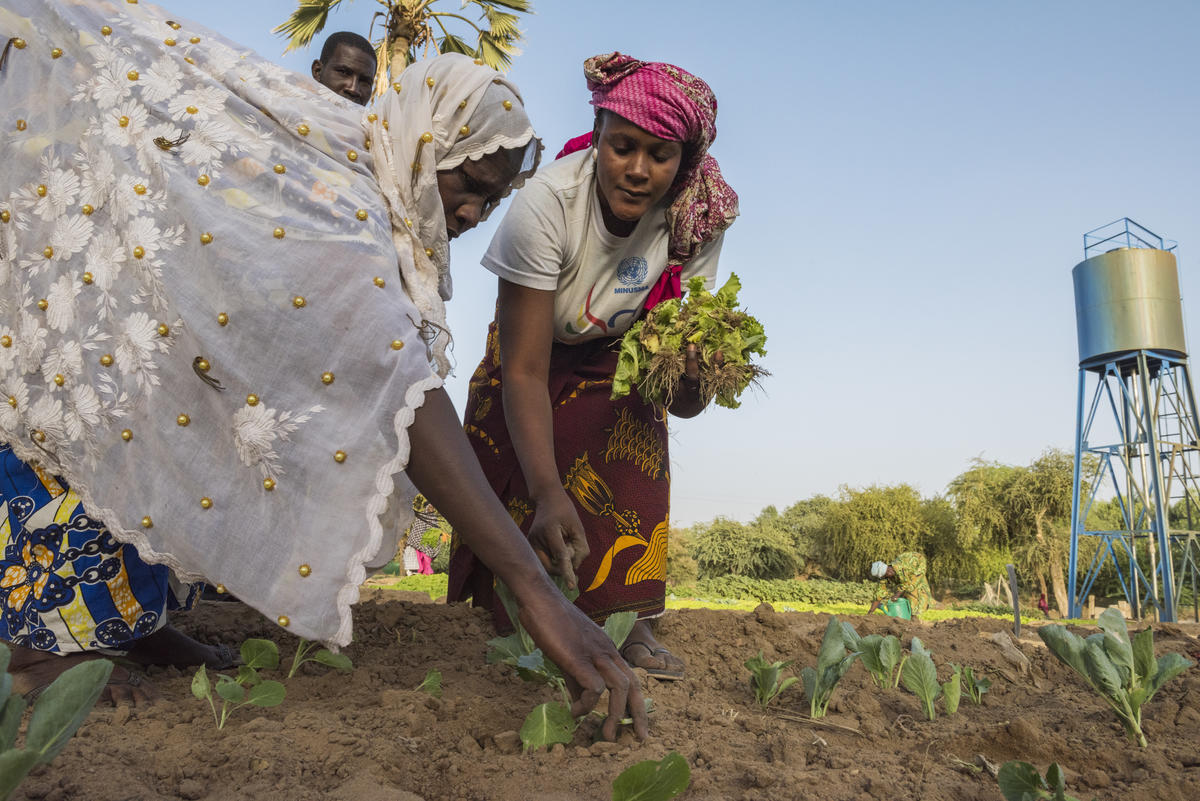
<point>704,264</point>
<point>527,248</point>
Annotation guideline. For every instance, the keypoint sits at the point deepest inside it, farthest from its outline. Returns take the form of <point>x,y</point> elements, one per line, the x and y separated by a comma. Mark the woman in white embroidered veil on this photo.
<point>210,359</point>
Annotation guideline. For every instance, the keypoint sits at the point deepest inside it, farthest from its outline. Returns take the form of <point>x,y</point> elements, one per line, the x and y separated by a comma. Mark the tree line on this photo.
<point>990,515</point>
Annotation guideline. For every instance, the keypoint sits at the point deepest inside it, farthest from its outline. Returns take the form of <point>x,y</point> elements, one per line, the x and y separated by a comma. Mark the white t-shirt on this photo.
<point>553,237</point>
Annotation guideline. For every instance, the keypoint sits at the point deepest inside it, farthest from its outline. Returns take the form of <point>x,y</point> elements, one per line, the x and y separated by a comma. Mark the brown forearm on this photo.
<point>527,412</point>
<point>445,470</point>
<point>525,318</point>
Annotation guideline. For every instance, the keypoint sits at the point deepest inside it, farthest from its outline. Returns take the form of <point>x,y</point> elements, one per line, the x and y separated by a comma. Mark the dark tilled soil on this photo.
<point>370,736</point>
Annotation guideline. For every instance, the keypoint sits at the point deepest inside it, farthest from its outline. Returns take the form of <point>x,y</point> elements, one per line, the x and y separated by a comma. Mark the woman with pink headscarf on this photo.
<point>606,232</point>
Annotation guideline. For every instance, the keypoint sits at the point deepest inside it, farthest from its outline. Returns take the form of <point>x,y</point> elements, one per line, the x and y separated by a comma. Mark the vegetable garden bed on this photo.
<point>371,735</point>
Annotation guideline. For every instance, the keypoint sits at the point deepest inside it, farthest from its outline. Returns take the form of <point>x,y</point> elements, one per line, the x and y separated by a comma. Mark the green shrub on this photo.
<point>869,524</point>
<point>726,547</point>
<point>681,565</point>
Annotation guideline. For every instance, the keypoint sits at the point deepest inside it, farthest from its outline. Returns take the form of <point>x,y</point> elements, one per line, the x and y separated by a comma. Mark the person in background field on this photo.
<point>417,555</point>
<point>187,375</point>
<point>347,66</point>
<point>595,239</point>
<point>903,578</point>
<point>1044,605</point>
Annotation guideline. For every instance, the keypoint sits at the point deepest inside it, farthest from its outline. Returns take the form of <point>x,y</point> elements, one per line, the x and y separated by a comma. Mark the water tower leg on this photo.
<point>1166,605</point>
<point>1077,507</point>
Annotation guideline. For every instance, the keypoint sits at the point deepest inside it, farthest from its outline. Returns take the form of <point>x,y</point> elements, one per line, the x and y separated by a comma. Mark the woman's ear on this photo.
<point>596,126</point>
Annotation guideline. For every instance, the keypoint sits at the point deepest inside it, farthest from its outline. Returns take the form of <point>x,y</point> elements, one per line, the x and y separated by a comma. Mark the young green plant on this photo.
<point>322,657</point>
<point>1020,781</point>
<point>248,688</point>
<point>952,693</point>
<point>974,686</point>
<point>919,675</point>
<point>833,660</point>
<point>1123,671</point>
<point>551,722</point>
<point>881,655</point>
<point>767,678</point>
<point>653,781</point>
<point>432,683</point>
<point>58,713</point>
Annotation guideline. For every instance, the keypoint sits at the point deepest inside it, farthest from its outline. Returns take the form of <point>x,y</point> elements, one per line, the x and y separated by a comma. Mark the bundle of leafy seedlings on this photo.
<point>654,350</point>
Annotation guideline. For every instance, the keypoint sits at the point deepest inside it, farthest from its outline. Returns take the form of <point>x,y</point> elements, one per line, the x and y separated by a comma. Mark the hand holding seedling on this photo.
<point>557,537</point>
<point>588,659</point>
<point>689,401</point>
<point>656,351</point>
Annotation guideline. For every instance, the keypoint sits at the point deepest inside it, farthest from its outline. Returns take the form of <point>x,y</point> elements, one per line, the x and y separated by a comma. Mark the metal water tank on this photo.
<point>1126,300</point>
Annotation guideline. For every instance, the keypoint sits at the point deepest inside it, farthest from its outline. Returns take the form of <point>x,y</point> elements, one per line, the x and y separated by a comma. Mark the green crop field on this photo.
<point>435,586</point>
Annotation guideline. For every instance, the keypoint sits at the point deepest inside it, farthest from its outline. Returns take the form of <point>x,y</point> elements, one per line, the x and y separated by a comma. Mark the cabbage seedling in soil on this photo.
<point>654,350</point>
<point>952,693</point>
<point>973,686</point>
<point>833,660</point>
<point>1123,671</point>
<point>551,722</point>
<point>919,675</point>
<point>767,679</point>
<point>1020,781</point>
<point>881,656</point>
<point>653,781</point>
<point>58,712</point>
<point>432,683</point>
<point>248,689</point>
<point>323,656</point>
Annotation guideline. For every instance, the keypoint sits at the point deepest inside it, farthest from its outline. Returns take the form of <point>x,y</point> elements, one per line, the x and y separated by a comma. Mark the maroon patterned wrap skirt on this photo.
<point>612,459</point>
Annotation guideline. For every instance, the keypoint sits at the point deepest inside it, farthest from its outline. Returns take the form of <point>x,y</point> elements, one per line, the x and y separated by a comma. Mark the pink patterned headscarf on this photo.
<point>670,103</point>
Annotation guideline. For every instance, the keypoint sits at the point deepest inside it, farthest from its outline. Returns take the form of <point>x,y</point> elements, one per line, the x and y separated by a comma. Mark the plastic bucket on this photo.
<point>898,608</point>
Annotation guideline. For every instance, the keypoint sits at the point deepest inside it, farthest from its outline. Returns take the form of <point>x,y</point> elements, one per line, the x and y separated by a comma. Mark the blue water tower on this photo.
<point>1136,428</point>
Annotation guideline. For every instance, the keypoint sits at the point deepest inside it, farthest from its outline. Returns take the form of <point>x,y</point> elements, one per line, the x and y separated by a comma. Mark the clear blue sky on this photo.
<point>915,180</point>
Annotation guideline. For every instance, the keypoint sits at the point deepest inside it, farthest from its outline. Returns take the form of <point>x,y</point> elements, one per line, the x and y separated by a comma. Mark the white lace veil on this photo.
<point>441,112</point>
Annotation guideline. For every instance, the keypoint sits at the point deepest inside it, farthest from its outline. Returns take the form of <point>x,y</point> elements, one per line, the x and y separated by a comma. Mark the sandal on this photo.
<point>662,674</point>
<point>131,679</point>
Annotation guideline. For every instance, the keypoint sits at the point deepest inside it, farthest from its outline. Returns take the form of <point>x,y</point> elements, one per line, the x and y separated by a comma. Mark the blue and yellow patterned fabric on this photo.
<point>65,583</point>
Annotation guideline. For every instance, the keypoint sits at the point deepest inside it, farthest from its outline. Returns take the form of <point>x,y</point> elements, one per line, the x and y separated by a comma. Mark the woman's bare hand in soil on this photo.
<point>557,537</point>
<point>588,659</point>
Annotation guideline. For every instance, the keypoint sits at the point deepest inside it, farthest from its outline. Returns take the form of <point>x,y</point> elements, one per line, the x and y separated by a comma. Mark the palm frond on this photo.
<point>383,60</point>
<point>502,24</point>
<point>454,44</point>
<point>496,53</point>
<point>520,6</point>
<point>305,22</point>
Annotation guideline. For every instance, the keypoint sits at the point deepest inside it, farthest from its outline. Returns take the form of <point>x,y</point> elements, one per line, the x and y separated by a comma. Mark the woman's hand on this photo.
<point>557,537</point>
<point>445,469</point>
<point>587,657</point>
<point>688,401</point>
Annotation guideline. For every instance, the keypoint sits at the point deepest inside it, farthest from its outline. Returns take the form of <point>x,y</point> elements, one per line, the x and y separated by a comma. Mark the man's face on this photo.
<point>349,72</point>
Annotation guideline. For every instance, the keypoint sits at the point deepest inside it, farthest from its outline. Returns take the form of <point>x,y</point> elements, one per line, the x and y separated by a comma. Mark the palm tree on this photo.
<point>411,26</point>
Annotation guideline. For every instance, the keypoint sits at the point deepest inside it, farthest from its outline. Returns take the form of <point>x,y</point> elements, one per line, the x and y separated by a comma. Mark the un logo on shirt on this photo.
<point>632,270</point>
